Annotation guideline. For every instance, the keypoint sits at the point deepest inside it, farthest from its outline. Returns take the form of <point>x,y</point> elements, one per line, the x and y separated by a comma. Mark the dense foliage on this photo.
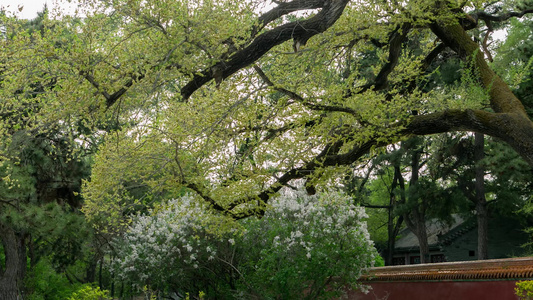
<point>315,246</point>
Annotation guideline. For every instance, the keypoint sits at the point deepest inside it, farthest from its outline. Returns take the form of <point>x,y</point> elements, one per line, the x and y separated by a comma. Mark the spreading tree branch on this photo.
<point>485,16</point>
<point>298,30</point>
<point>395,47</point>
<point>446,121</point>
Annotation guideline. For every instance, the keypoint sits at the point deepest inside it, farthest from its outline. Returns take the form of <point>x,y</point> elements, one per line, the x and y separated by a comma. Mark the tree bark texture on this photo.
<point>509,121</point>
<point>482,231</point>
<point>299,31</point>
<point>393,228</point>
<point>415,218</point>
<point>423,240</point>
<point>416,222</point>
<point>10,279</point>
<point>480,199</point>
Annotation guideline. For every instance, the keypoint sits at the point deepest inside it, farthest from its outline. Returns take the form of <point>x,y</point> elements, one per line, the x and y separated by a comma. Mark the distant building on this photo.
<point>458,241</point>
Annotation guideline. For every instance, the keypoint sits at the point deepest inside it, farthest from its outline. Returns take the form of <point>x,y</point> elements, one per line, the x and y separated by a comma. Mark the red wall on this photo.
<point>439,290</point>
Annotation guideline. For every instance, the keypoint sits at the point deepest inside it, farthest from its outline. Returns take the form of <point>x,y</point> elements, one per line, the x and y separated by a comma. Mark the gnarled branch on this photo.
<point>298,30</point>
<point>485,16</point>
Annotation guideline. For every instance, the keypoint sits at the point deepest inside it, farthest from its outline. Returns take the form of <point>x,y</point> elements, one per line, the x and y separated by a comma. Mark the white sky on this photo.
<point>31,7</point>
<point>29,10</point>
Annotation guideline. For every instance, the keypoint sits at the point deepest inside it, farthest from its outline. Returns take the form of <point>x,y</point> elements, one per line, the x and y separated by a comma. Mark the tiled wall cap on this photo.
<point>496,269</point>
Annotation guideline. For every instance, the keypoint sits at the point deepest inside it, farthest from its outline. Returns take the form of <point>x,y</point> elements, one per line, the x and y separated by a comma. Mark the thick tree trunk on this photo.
<point>393,230</point>
<point>423,242</point>
<point>8,290</point>
<point>391,237</point>
<point>417,224</point>
<point>10,279</point>
<point>390,240</point>
<point>90,272</point>
<point>480,200</point>
<point>415,218</point>
<point>482,231</point>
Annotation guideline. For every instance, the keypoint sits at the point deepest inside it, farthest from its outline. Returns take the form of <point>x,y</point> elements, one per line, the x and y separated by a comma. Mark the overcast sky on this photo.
<point>31,7</point>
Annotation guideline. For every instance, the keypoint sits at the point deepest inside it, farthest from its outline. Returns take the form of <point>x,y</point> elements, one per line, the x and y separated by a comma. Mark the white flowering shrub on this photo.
<point>308,247</point>
<point>173,248</point>
<point>304,247</point>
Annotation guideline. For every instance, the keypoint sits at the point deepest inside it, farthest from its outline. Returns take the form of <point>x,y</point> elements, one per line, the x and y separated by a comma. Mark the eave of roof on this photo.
<point>414,250</point>
<point>437,232</point>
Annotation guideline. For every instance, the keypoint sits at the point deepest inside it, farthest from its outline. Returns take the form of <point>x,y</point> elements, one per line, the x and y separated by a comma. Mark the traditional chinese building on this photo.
<point>457,241</point>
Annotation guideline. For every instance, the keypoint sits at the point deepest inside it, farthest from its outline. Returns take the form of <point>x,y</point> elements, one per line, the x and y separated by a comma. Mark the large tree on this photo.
<point>233,101</point>
<point>41,168</point>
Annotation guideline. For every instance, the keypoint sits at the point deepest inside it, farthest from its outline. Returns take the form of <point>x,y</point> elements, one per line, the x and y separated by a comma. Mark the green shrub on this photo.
<point>89,292</point>
<point>524,290</point>
<point>380,262</point>
<point>43,282</point>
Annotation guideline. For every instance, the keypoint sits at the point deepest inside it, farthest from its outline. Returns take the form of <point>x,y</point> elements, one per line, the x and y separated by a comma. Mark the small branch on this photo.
<point>204,196</point>
<point>499,18</point>
<point>273,132</point>
<point>96,85</point>
<point>116,95</point>
<point>295,96</point>
<point>111,99</point>
<point>412,82</point>
<point>484,44</point>
<point>395,42</point>
<point>375,206</point>
<point>8,202</point>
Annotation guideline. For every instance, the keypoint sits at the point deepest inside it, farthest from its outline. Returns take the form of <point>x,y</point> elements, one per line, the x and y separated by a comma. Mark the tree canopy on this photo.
<point>235,100</point>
